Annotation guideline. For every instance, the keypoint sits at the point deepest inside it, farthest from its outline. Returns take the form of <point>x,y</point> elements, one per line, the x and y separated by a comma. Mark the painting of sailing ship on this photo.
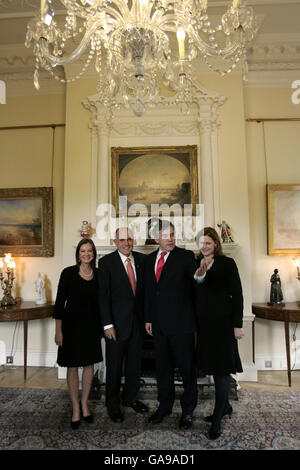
<point>26,221</point>
<point>20,222</point>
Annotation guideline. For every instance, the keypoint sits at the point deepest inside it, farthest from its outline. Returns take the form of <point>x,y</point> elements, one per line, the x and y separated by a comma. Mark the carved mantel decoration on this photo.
<point>200,126</point>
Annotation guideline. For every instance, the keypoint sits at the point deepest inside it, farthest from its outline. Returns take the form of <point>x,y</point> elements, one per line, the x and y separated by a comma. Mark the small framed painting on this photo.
<point>26,221</point>
<point>283,206</point>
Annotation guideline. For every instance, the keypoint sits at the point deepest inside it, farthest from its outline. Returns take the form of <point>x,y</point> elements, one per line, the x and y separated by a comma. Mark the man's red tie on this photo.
<point>160,265</point>
<point>131,275</point>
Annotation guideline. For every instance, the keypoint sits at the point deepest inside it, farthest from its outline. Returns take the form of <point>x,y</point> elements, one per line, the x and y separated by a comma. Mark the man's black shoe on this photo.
<point>158,416</point>
<point>137,406</point>
<point>186,421</point>
<point>116,416</point>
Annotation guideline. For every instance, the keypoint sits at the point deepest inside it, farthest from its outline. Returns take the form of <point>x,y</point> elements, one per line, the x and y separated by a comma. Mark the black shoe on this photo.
<point>88,419</point>
<point>75,424</point>
<point>116,416</point>
<point>158,416</point>
<point>138,406</point>
<point>186,421</point>
<point>226,412</point>
<point>215,431</point>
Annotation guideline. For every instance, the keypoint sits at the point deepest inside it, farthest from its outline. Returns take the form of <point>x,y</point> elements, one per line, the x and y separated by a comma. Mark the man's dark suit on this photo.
<point>120,307</point>
<point>170,307</point>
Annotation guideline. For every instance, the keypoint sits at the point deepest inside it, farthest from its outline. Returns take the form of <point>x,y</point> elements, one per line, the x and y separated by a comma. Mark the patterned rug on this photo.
<point>33,419</point>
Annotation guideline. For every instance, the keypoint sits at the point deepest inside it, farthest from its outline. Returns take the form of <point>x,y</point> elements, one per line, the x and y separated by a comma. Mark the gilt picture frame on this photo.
<point>26,221</point>
<point>152,176</point>
<point>283,215</point>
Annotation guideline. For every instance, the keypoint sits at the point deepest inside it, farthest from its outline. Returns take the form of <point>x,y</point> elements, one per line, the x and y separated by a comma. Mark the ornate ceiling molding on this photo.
<point>271,53</point>
<point>270,56</point>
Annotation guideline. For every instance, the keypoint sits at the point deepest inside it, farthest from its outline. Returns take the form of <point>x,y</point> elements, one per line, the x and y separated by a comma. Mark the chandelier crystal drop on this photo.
<point>139,46</point>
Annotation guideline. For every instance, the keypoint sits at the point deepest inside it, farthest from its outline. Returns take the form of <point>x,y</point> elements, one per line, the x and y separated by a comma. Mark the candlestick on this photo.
<point>7,283</point>
<point>7,258</point>
<point>297,264</point>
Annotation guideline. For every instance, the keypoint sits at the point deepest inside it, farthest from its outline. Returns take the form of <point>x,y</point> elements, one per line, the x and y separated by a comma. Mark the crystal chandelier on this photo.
<point>139,45</point>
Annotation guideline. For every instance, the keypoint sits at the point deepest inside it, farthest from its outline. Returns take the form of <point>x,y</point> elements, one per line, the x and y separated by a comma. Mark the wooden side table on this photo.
<point>25,311</point>
<point>288,313</point>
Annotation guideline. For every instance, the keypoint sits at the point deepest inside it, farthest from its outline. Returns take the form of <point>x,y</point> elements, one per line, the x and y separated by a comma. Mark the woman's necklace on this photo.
<point>85,274</point>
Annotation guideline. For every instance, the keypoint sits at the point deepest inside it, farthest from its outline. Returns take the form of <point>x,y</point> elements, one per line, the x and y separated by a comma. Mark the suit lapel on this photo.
<point>137,269</point>
<point>153,256</point>
<point>119,266</point>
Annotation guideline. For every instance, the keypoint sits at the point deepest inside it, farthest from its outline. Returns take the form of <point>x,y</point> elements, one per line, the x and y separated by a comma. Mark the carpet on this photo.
<point>34,419</point>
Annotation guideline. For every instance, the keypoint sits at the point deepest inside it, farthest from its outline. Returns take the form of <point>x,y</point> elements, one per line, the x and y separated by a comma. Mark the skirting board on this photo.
<point>276,362</point>
<point>2,353</point>
<point>249,373</point>
<point>35,358</point>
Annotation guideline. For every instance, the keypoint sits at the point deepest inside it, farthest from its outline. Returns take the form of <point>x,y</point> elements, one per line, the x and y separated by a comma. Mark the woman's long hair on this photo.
<point>84,241</point>
<point>210,232</point>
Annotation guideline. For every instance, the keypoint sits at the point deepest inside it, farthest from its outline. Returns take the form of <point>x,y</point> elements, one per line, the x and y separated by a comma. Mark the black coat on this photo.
<point>170,303</point>
<point>219,311</point>
<point>117,303</point>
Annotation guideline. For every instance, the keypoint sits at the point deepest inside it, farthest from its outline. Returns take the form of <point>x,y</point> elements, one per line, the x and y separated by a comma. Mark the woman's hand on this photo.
<point>238,333</point>
<point>58,338</point>
<point>58,333</point>
<point>204,265</point>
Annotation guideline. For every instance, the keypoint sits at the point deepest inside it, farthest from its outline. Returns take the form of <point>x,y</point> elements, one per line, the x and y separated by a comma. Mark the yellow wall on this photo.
<point>77,165</point>
<point>27,159</point>
<point>273,149</point>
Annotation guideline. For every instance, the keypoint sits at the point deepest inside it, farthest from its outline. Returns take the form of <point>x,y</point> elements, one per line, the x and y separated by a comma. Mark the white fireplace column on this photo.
<point>103,163</point>
<point>209,173</point>
<point>207,196</point>
<point>100,172</point>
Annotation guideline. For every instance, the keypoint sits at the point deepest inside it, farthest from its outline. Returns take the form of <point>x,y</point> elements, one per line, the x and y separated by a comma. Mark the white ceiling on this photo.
<point>281,17</point>
<point>276,47</point>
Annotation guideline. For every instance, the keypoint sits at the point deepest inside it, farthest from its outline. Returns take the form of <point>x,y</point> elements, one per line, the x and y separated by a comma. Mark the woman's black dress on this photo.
<point>77,306</point>
<point>219,311</point>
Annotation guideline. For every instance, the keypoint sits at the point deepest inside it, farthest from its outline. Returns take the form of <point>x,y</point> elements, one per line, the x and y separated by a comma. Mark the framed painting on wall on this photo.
<point>26,221</point>
<point>152,176</point>
<point>283,206</point>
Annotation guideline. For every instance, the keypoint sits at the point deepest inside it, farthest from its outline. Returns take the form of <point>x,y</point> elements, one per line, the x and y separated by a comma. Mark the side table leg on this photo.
<point>25,348</point>
<point>287,344</point>
<point>253,341</point>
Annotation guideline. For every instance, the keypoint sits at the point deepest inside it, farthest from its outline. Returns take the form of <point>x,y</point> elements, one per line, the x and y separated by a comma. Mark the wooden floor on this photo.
<point>46,378</point>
